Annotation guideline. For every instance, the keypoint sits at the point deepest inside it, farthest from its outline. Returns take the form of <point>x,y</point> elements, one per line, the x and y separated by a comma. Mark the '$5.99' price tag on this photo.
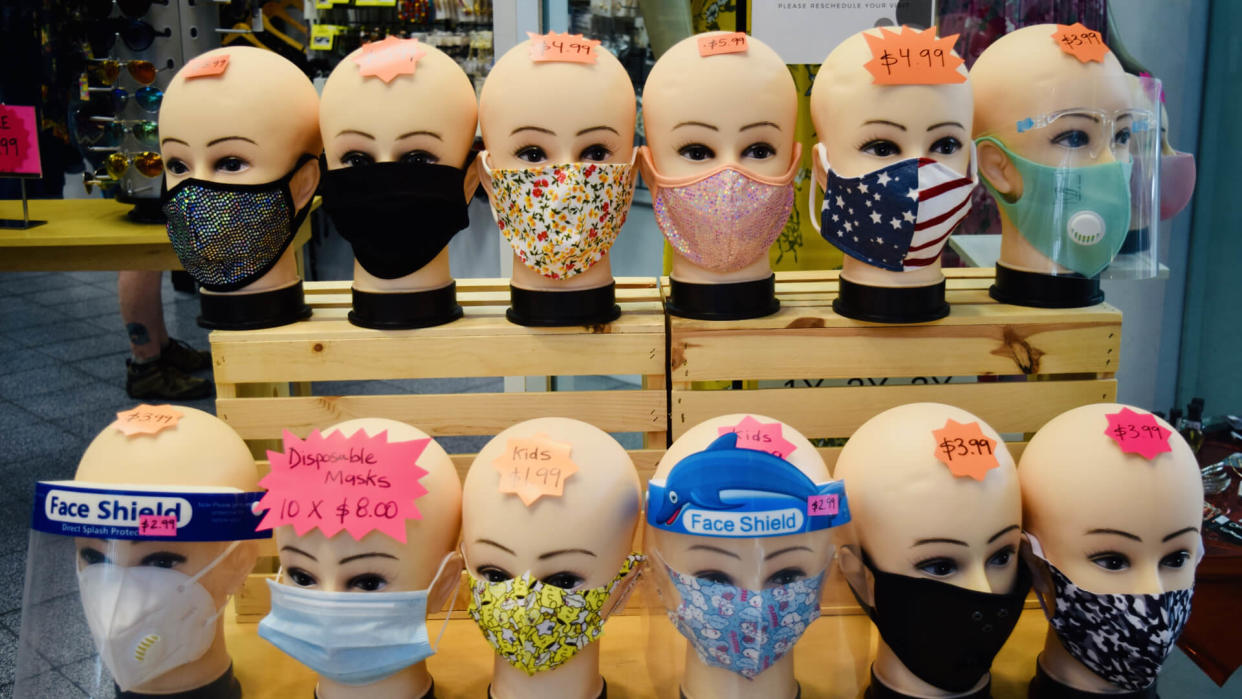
<point>965,449</point>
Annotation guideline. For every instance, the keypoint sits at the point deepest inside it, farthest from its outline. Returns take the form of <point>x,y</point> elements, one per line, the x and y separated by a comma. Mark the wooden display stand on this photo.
<point>263,376</point>
<point>1014,367</point>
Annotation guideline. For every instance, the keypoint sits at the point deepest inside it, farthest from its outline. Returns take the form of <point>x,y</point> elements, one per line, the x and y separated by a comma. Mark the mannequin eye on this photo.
<point>162,559</point>
<point>1123,137</point>
<point>564,580</point>
<point>301,578</point>
<point>419,157</point>
<point>938,567</point>
<point>696,152</point>
<point>1176,559</point>
<point>355,158</point>
<point>531,154</point>
<point>492,574</point>
<point>785,576</point>
<point>759,151</point>
<point>92,556</point>
<point>1110,560</point>
<point>595,153</point>
<point>946,146</point>
<point>1001,558</point>
<point>1073,138</point>
<point>367,582</point>
<point>231,163</point>
<point>881,148</point>
<point>714,576</point>
<point>176,166</point>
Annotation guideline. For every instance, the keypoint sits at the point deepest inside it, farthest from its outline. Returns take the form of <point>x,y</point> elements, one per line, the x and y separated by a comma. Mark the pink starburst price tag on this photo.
<point>760,436</point>
<point>358,484</point>
<point>1138,433</point>
<point>389,58</point>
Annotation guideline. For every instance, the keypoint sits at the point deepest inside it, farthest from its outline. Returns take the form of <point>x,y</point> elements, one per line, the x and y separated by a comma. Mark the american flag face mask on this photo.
<point>896,218</point>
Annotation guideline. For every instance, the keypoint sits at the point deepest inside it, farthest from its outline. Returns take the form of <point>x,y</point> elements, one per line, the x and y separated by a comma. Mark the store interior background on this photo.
<point>62,342</point>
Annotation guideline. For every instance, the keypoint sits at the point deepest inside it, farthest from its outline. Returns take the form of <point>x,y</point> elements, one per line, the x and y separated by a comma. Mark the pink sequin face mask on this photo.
<point>724,219</point>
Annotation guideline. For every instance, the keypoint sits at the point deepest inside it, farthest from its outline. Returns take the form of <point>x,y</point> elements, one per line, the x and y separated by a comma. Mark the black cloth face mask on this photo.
<point>397,216</point>
<point>229,235</point>
<point>946,635</point>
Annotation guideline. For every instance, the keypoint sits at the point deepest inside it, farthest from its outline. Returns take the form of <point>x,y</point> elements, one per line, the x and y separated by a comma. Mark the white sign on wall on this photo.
<point>805,31</point>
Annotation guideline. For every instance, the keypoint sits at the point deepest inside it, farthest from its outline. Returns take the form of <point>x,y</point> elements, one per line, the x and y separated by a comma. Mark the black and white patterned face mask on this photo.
<point>1122,638</point>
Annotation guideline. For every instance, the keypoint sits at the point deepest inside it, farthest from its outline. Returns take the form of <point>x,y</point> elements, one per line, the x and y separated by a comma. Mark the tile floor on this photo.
<point>62,363</point>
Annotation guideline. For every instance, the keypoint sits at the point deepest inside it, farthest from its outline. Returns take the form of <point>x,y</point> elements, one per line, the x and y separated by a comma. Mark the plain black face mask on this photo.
<point>397,216</point>
<point>946,635</point>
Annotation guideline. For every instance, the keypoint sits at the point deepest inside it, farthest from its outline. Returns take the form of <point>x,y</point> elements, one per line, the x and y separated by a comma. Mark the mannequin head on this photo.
<point>704,113</point>
<point>425,117</point>
<point>1111,522</point>
<point>199,452</point>
<point>379,563</point>
<point>247,125</point>
<point>912,516</point>
<point>534,114</point>
<point>863,126</point>
<point>754,563</point>
<point>1025,75</point>
<point>576,540</point>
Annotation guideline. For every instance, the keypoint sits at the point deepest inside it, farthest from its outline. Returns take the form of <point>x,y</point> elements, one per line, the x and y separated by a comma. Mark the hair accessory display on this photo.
<point>389,58</point>
<point>727,491</point>
<point>913,57</point>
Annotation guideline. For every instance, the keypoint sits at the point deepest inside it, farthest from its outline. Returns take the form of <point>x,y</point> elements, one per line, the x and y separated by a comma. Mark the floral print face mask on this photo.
<point>538,627</point>
<point>561,219</point>
<point>740,630</point>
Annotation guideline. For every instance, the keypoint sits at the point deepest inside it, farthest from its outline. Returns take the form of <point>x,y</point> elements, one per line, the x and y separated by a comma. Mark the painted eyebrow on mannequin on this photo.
<point>958,124</point>
<point>489,542</point>
<point>958,542</point>
<point>760,123</point>
<point>1179,532</point>
<point>170,139</point>
<point>714,549</point>
<point>372,554</point>
<point>230,138</point>
<point>295,549</point>
<point>562,552</point>
<point>540,129</point>
<point>783,551</point>
<point>598,128</point>
<point>423,132</point>
<point>885,122</point>
<point>695,123</point>
<point>1116,532</point>
<point>1002,532</point>
<point>356,132</point>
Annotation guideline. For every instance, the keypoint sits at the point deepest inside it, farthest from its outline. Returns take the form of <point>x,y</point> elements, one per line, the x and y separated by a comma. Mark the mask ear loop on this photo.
<point>206,569</point>
<point>452,598</point>
<point>1037,551</point>
<point>818,151</point>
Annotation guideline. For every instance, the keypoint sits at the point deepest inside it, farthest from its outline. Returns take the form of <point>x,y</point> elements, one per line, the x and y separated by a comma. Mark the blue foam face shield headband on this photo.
<point>726,491</point>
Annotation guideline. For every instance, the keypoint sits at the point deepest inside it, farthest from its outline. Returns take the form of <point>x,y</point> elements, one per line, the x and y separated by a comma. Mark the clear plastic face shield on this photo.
<point>125,586</point>
<point>741,546</point>
<point>1076,175</point>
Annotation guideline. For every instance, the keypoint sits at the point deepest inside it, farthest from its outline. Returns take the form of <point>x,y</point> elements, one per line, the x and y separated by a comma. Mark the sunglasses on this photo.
<point>149,98</point>
<point>100,9</point>
<point>148,163</point>
<point>104,133</point>
<point>136,34</point>
<point>107,70</point>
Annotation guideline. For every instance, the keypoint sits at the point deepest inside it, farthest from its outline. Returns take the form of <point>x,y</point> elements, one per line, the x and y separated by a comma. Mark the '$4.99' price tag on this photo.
<point>965,449</point>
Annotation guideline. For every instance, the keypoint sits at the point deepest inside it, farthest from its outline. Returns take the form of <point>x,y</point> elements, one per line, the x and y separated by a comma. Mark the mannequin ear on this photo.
<point>304,184</point>
<point>817,167</point>
<point>471,185</point>
<point>445,586</point>
<point>850,562</point>
<point>481,175</point>
<point>238,565</point>
<point>999,170</point>
<point>646,169</point>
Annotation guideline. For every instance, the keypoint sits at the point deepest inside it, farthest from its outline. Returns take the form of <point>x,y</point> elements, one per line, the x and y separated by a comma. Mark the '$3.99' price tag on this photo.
<point>1138,433</point>
<point>965,449</point>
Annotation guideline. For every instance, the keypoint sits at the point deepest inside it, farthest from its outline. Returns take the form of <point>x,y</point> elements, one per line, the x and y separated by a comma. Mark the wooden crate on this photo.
<point>263,376</point>
<point>1014,367</point>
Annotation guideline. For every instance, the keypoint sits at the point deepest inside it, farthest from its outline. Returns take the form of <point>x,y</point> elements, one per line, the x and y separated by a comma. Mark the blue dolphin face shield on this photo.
<point>727,491</point>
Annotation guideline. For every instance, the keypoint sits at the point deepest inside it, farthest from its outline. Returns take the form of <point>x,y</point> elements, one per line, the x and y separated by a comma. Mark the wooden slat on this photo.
<point>838,411</point>
<point>981,344</point>
<point>450,414</point>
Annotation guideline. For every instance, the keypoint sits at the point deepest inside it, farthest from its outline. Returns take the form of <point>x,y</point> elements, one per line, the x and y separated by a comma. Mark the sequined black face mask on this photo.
<point>229,235</point>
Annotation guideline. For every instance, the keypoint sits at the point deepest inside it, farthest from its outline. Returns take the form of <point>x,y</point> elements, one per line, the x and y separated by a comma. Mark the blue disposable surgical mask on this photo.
<point>1077,217</point>
<point>355,638</point>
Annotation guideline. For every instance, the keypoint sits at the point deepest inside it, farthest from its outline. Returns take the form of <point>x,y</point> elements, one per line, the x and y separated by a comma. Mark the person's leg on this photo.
<point>157,365</point>
<point>142,309</point>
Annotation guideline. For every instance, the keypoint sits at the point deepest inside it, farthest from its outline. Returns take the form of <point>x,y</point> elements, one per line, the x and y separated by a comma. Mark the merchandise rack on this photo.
<point>824,374</point>
<point>263,377</point>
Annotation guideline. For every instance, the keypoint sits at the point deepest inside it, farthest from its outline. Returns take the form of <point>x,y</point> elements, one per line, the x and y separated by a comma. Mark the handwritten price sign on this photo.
<point>389,58</point>
<point>965,449</point>
<point>206,66</point>
<point>760,436</point>
<point>557,47</point>
<point>913,57</point>
<point>19,141</point>
<point>1081,43</point>
<point>146,419</point>
<point>717,44</point>
<point>1138,433</point>
<point>534,468</point>
<point>357,483</point>
<point>157,525</point>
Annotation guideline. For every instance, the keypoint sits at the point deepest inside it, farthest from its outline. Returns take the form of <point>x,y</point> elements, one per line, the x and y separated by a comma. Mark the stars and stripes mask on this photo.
<point>898,217</point>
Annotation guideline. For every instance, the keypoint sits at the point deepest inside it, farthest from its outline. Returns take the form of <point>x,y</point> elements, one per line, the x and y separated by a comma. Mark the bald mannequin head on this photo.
<point>1082,495</point>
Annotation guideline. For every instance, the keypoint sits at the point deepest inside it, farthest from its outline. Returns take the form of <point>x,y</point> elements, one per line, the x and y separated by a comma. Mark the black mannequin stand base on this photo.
<point>1045,290</point>
<point>882,304</point>
<point>266,309</point>
<point>550,309</point>
<point>879,690</point>
<point>1043,686</point>
<point>735,301</point>
<point>405,310</point>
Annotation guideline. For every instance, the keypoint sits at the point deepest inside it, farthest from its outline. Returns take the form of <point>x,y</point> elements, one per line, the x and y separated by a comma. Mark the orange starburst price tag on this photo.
<point>965,449</point>
<point>535,467</point>
<point>734,42</point>
<point>1081,43</point>
<point>913,57</point>
<point>206,66</point>
<point>146,419</point>
<point>561,47</point>
<point>389,58</point>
